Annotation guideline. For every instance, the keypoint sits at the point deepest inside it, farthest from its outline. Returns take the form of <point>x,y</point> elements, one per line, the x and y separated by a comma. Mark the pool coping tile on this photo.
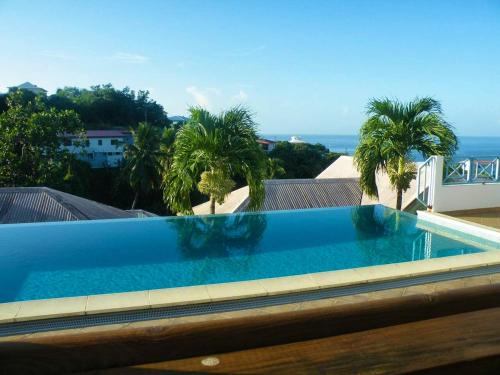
<point>178,296</point>
<point>329,279</point>
<point>236,290</point>
<point>51,308</point>
<point>104,303</point>
<point>289,284</point>
<point>8,311</point>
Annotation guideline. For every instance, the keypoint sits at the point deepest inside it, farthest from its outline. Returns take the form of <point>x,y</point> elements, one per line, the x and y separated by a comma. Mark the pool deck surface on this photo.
<point>489,216</point>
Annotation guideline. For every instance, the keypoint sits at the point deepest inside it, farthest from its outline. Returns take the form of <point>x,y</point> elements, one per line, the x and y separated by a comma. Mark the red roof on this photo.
<point>265,141</point>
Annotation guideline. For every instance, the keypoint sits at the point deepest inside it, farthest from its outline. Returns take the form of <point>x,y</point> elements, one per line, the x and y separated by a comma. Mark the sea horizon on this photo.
<point>468,146</point>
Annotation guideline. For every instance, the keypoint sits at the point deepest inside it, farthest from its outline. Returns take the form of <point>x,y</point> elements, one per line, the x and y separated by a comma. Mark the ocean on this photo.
<point>468,146</point>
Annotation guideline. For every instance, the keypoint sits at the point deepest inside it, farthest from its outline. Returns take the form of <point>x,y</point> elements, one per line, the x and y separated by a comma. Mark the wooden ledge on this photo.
<point>106,348</point>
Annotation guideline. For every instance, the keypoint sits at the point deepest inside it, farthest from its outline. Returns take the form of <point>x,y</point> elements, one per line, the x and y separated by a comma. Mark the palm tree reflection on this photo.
<point>382,236</point>
<point>220,245</point>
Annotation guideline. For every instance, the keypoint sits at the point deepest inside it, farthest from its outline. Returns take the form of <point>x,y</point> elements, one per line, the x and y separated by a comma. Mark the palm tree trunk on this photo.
<point>399,199</point>
<point>399,191</point>
<point>136,197</point>
<point>212,205</point>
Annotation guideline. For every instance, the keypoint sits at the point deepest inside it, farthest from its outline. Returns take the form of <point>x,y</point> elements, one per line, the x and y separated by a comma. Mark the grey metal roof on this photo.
<point>309,193</point>
<point>41,204</point>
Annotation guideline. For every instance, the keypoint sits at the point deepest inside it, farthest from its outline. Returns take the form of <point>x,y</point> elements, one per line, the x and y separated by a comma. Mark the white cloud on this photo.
<point>240,97</point>
<point>199,96</point>
<point>214,99</point>
<point>131,58</point>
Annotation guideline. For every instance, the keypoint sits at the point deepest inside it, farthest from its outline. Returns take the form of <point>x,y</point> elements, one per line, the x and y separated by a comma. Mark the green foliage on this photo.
<point>224,145</point>
<point>104,107</point>
<point>216,185</point>
<point>77,178</point>
<point>302,160</point>
<point>30,153</point>
<point>274,168</point>
<point>143,160</point>
<point>392,131</point>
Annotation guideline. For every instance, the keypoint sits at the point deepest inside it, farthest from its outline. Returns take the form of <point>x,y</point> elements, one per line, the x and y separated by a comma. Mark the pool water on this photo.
<point>51,260</point>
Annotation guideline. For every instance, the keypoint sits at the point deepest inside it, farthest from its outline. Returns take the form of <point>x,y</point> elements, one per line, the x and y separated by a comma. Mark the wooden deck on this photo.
<point>452,331</point>
<point>461,343</point>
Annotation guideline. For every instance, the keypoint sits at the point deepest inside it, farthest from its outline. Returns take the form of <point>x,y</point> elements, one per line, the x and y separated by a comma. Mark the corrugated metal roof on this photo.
<point>309,193</point>
<point>41,204</point>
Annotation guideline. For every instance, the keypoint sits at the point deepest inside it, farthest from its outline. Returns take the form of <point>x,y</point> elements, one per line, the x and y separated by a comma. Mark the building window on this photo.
<point>79,143</point>
<point>114,142</point>
<point>118,153</point>
<point>99,142</point>
<point>90,156</point>
<point>110,154</point>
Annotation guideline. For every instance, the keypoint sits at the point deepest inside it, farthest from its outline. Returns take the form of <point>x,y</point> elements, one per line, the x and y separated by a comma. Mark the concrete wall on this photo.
<point>462,196</point>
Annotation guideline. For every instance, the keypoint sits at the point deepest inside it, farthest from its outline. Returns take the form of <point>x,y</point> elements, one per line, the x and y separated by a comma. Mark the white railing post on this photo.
<point>426,173</point>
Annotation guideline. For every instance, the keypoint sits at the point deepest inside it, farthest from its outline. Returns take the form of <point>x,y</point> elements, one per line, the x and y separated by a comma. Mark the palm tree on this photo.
<point>392,132</point>
<point>275,168</point>
<point>143,160</point>
<point>209,152</point>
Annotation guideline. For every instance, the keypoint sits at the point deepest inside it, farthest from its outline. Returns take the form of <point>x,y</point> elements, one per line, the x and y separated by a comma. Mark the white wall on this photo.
<point>105,154</point>
<point>462,196</point>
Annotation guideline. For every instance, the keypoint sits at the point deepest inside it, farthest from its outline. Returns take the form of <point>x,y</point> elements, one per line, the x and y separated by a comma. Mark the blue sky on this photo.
<point>302,66</point>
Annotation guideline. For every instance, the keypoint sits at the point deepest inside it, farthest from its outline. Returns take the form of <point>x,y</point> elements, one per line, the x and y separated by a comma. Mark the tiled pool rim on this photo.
<point>24,311</point>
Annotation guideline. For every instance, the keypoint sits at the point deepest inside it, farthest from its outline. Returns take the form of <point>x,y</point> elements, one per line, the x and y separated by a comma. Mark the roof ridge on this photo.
<point>53,195</point>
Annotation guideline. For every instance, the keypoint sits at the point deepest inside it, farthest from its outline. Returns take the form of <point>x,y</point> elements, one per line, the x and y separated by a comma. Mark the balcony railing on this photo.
<point>472,171</point>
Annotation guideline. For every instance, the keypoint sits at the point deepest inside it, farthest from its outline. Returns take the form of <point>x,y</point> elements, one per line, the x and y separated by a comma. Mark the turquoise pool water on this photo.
<point>93,257</point>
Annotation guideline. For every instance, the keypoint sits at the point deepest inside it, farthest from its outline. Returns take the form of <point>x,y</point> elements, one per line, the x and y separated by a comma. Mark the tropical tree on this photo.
<point>104,107</point>
<point>302,160</point>
<point>392,132</point>
<point>210,151</point>
<point>274,168</point>
<point>143,160</point>
<point>30,141</point>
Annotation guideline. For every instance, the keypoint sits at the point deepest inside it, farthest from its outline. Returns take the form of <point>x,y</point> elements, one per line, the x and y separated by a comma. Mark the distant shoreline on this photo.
<point>469,146</point>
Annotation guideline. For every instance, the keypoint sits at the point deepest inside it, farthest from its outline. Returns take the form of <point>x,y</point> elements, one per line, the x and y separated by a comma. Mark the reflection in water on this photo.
<point>381,236</point>
<point>216,236</point>
<point>233,238</point>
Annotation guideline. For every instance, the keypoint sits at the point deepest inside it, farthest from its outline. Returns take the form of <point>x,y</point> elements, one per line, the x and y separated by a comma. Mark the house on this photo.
<point>293,194</point>
<point>101,148</point>
<point>28,86</point>
<point>266,144</point>
<point>42,204</point>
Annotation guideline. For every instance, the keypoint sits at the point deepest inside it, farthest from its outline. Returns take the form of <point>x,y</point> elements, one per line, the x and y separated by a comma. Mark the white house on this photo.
<point>102,148</point>
<point>28,86</point>
<point>266,144</point>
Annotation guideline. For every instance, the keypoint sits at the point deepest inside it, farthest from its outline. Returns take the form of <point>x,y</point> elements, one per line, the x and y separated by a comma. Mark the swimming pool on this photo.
<point>51,260</point>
